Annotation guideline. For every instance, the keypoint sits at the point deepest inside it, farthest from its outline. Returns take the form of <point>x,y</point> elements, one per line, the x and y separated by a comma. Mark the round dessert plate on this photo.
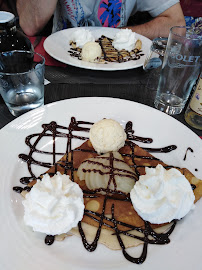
<point>57,45</point>
<point>21,248</point>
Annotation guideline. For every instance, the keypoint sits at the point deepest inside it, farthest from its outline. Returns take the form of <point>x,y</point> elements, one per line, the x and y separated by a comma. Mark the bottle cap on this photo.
<point>6,16</point>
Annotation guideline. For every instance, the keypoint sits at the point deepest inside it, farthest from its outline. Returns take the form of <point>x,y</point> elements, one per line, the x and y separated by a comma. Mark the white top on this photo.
<point>6,16</point>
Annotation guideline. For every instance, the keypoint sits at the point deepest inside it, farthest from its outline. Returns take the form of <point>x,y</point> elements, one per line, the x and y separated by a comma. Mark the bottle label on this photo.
<point>196,101</point>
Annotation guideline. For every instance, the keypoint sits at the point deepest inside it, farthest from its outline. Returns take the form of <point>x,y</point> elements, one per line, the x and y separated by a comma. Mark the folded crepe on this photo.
<point>109,216</point>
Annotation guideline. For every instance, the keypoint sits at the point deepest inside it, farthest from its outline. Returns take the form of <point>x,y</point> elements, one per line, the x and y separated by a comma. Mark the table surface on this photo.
<point>70,82</point>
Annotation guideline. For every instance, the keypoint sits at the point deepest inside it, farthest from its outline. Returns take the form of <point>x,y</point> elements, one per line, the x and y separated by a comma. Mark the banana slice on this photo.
<point>138,45</point>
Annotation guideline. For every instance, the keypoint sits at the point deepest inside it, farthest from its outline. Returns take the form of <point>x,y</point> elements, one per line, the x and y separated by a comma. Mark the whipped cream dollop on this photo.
<point>91,51</point>
<point>124,39</point>
<point>54,205</point>
<point>82,36</point>
<point>107,135</point>
<point>162,195</point>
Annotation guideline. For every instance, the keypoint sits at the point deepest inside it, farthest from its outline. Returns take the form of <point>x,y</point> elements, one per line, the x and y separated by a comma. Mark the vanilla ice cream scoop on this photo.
<point>162,195</point>
<point>91,51</point>
<point>54,205</point>
<point>107,135</point>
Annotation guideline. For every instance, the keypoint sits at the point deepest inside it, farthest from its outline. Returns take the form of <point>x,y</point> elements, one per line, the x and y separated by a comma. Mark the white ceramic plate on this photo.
<point>20,248</point>
<point>57,46</point>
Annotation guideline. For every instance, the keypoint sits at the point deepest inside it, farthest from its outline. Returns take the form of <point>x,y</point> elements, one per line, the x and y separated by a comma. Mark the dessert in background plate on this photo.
<point>122,48</point>
<point>109,216</point>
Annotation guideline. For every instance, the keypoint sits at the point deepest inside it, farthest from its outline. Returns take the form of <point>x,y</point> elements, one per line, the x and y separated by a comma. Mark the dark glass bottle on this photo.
<point>10,37</point>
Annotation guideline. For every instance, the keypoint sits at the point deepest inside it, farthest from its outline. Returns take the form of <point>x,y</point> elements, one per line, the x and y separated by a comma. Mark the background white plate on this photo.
<point>57,46</point>
<point>20,248</point>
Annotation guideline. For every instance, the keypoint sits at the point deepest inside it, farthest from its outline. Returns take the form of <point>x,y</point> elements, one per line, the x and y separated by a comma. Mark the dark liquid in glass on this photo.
<point>13,39</point>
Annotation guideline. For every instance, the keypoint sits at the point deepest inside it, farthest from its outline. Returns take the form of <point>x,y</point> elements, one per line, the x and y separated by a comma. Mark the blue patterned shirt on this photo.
<point>106,13</point>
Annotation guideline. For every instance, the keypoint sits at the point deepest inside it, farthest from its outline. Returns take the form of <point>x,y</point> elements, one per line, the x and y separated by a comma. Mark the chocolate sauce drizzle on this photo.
<point>188,149</point>
<point>127,56</point>
<point>56,131</point>
<point>130,134</point>
<point>193,186</point>
<point>49,240</point>
<point>185,156</point>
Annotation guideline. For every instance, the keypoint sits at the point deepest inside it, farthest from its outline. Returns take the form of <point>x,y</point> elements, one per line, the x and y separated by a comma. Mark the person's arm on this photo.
<point>35,14</point>
<point>160,26</point>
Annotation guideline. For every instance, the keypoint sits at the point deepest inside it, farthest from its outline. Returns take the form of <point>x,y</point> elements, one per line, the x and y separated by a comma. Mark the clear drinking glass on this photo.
<point>22,80</point>
<point>153,62</point>
<point>180,69</point>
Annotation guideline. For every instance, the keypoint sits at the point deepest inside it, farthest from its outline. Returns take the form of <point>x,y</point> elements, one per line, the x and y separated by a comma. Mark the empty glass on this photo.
<point>180,69</point>
<point>154,60</point>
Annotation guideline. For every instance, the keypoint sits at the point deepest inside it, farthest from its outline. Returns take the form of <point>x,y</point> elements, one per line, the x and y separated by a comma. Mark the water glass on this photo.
<point>153,62</point>
<point>22,80</point>
<point>181,66</point>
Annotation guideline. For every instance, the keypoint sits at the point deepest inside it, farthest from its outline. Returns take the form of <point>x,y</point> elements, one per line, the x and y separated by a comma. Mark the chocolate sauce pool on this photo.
<point>55,131</point>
